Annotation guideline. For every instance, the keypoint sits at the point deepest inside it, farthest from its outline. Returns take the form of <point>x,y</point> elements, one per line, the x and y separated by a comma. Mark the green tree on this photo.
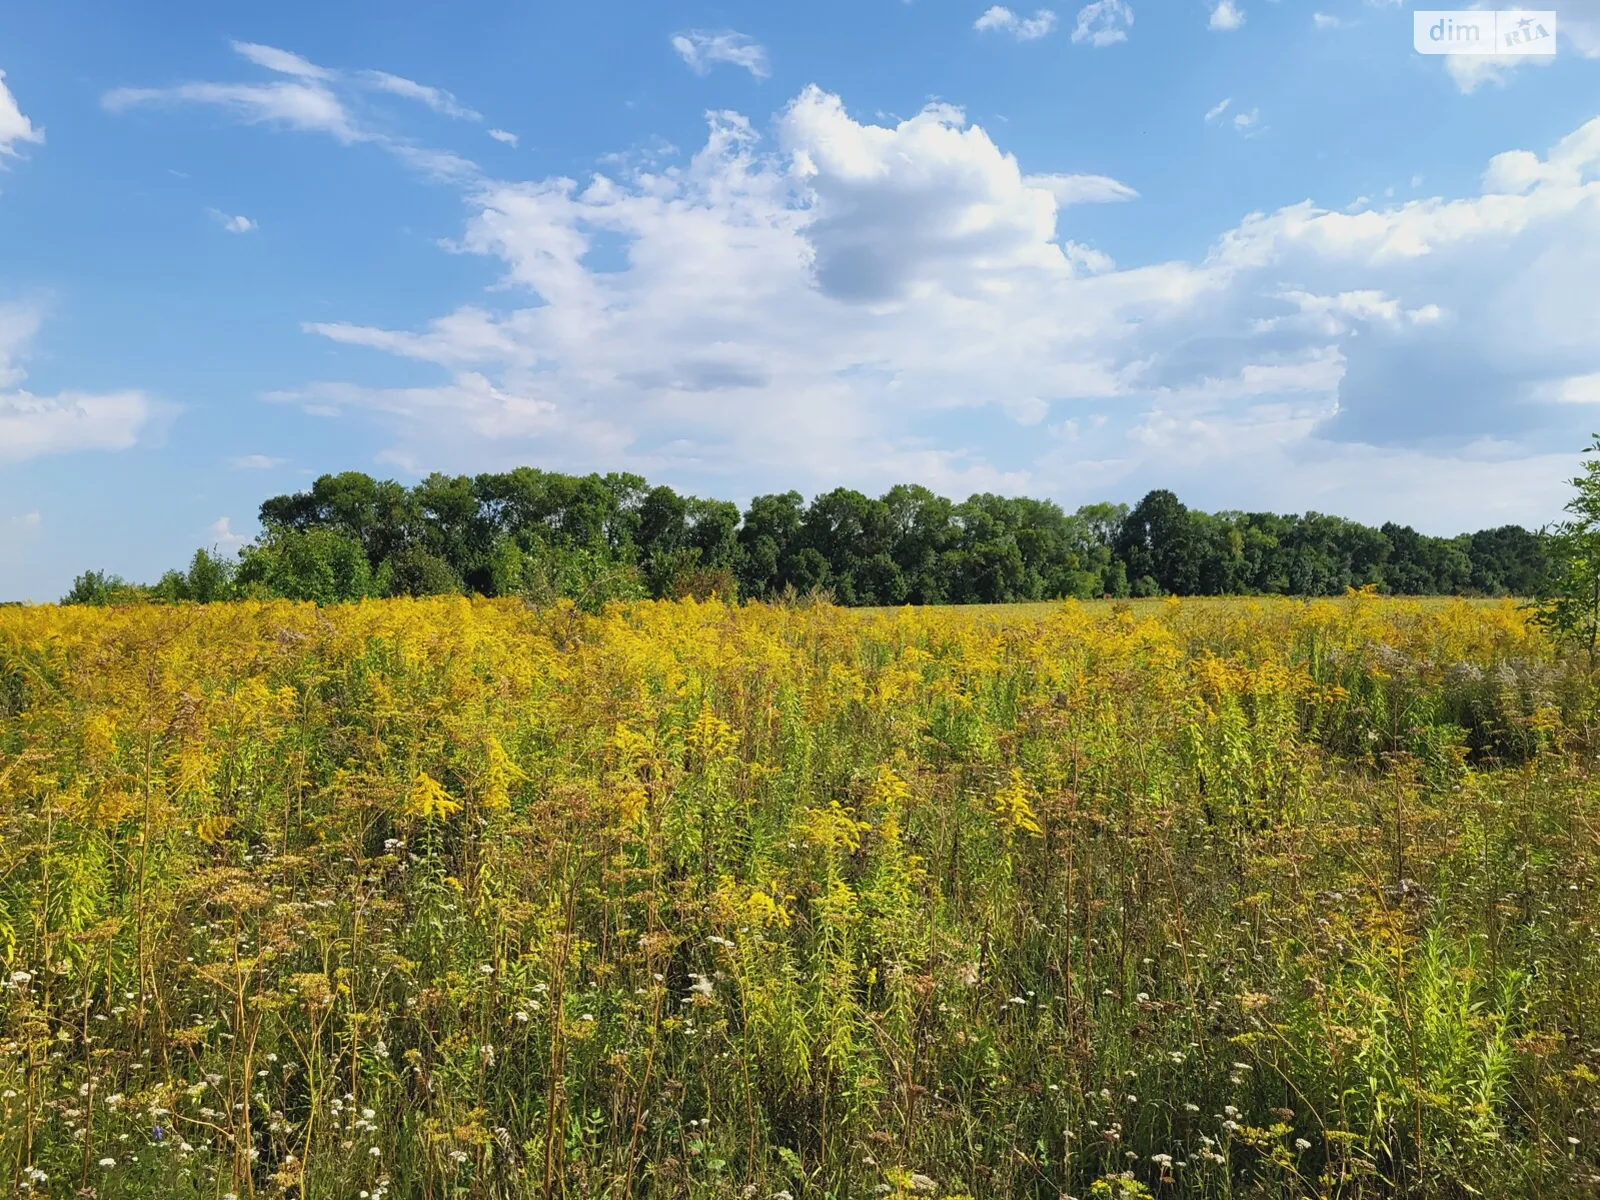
<point>210,578</point>
<point>922,530</point>
<point>1570,604</point>
<point>455,531</point>
<point>768,538</point>
<point>381,516</point>
<point>1507,561</point>
<point>846,529</point>
<point>1157,541</point>
<point>539,533</point>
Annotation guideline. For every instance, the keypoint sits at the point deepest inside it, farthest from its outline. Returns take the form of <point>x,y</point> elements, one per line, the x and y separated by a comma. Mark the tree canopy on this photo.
<point>599,537</point>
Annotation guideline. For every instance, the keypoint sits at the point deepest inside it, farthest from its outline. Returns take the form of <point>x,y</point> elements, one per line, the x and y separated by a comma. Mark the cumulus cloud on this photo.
<point>1226,16</point>
<point>702,50</point>
<point>1321,20</point>
<point>870,301</point>
<point>1217,109</point>
<point>1000,19</point>
<point>32,425</point>
<point>14,126</point>
<point>1103,22</point>
<point>504,136</point>
<point>255,462</point>
<point>818,303</point>
<point>781,276</point>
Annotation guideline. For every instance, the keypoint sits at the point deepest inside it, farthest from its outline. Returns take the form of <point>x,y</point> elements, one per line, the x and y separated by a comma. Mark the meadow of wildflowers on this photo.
<point>463,898</point>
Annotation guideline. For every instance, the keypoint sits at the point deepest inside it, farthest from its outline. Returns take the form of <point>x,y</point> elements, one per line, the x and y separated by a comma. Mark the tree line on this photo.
<point>594,538</point>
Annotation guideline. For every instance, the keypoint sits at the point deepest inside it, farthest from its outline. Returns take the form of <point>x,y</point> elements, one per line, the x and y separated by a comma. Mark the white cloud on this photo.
<point>1472,71</point>
<point>315,99</point>
<point>1244,120</point>
<point>281,61</point>
<point>1338,314</point>
<point>466,337</point>
<point>304,106</point>
<point>1082,189</point>
<point>795,278</point>
<point>892,209</point>
<point>907,275</point>
<point>233,224</point>
<point>32,426</point>
<point>1577,26</point>
<point>1086,258</point>
<point>503,135</point>
<point>286,63</point>
<point>871,302</point>
<point>702,50</point>
<point>1320,20</point>
<point>1226,16</point>
<point>256,462</point>
<point>1578,389</point>
<point>223,537</point>
<point>1025,29</point>
<point>437,99</point>
<point>1103,22</point>
<point>14,126</point>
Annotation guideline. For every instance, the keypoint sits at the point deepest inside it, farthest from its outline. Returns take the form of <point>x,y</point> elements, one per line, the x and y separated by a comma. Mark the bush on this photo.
<point>99,589</point>
<point>314,564</point>
<point>417,572</point>
<point>590,578</point>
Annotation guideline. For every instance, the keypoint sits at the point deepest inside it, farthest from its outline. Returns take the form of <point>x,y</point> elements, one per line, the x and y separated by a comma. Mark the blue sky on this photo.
<point>1258,251</point>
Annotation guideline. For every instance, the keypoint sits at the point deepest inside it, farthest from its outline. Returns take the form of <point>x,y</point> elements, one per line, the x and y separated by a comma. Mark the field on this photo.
<point>466,899</point>
<point>1037,610</point>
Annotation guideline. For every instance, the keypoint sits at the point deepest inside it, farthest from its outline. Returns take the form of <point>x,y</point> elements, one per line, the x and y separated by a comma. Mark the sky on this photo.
<point>1260,252</point>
